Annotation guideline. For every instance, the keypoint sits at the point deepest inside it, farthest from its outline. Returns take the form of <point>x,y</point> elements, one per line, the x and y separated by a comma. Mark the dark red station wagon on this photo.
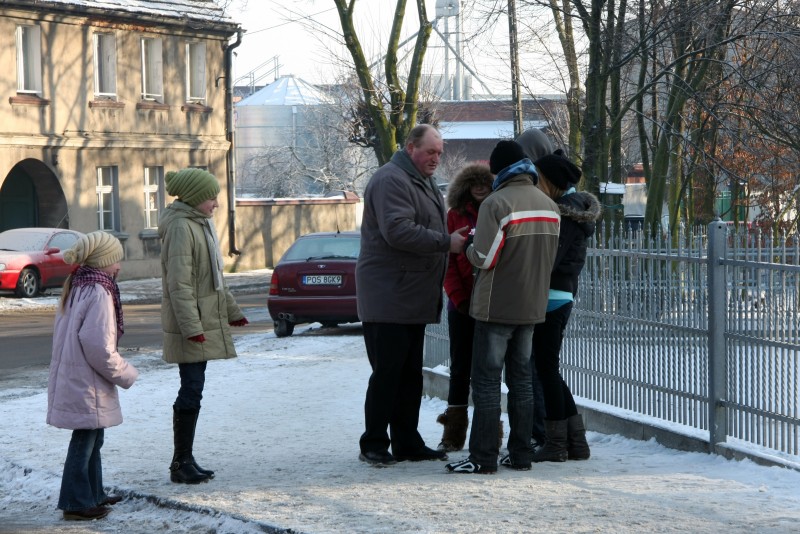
<point>315,281</point>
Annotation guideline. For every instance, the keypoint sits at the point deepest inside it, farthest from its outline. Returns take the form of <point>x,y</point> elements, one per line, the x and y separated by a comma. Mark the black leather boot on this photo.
<point>577,446</point>
<point>555,444</point>
<point>182,469</point>
<point>207,472</point>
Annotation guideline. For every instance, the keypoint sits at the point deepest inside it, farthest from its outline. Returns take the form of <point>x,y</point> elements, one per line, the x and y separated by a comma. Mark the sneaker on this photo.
<point>468,466</point>
<point>377,458</point>
<point>87,514</point>
<point>422,455</point>
<point>505,461</point>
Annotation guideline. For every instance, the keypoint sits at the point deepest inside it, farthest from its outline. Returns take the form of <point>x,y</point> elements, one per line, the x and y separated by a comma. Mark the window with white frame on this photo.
<point>107,199</point>
<point>29,59</point>
<point>153,195</point>
<point>105,65</point>
<point>152,74</point>
<point>195,72</point>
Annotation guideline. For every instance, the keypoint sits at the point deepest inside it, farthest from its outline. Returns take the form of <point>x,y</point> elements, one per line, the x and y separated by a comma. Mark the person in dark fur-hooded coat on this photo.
<point>464,194</point>
<point>564,429</point>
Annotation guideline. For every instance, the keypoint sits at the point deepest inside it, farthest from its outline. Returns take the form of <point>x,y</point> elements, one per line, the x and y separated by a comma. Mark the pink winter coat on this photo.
<point>86,367</point>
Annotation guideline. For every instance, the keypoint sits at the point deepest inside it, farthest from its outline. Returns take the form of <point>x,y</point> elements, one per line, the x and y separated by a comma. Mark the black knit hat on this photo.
<point>506,153</point>
<point>558,170</point>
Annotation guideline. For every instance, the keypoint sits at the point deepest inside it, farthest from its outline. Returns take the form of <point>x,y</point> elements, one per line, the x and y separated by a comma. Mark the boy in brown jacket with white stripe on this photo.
<point>514,247</point>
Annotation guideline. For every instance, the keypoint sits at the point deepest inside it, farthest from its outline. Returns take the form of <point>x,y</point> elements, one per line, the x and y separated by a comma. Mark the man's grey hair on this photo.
<point>417,133</point>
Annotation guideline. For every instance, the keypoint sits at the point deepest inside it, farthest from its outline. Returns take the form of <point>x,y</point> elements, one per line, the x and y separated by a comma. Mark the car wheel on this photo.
<point>27,284</point>
<point>283,328</point>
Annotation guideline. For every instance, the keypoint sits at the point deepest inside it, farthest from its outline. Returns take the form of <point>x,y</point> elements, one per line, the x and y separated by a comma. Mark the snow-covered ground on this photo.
<point>280,425</point>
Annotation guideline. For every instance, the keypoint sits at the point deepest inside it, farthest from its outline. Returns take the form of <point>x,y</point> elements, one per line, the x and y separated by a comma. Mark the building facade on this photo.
<point>98,101</point>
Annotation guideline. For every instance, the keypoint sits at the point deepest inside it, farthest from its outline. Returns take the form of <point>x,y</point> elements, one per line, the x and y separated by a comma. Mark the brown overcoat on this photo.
<point>404,247</point>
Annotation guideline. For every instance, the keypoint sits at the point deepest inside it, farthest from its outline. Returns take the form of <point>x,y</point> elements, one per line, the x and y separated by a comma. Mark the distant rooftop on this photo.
<point>202,10</point>
<point>287,91</point>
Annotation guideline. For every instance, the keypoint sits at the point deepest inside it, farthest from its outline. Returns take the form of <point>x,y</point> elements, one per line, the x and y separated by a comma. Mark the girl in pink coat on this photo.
<point>86,369</point>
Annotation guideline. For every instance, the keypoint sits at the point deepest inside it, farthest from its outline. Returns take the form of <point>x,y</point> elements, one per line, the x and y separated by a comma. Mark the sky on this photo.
<point>280,426</point>
<point>303,34</point>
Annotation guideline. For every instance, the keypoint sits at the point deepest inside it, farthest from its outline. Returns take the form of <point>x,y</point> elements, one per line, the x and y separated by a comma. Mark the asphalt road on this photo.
<point>26,339</point>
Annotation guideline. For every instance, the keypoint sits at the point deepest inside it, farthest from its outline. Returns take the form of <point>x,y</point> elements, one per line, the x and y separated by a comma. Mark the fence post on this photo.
<point>717,353</point>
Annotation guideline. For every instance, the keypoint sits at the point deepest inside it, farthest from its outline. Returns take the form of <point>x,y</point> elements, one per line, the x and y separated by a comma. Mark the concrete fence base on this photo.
<point>437,384</point>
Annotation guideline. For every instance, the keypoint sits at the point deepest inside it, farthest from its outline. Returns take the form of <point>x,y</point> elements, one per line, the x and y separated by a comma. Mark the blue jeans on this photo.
<point>496,345</point>
<point>82,482</point>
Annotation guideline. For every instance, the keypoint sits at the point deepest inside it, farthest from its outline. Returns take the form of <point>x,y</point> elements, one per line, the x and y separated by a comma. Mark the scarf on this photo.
<point>523,166</point>
<point>214,254</point>
<point>85,276</point>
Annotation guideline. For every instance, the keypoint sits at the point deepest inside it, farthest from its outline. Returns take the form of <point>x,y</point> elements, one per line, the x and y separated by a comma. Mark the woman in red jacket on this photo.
<point>464,194</point>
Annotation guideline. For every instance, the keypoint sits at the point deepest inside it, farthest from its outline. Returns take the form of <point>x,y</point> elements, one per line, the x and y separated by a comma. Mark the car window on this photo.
<point>63,240</point>
<point>22,241</point>
<point>324,247</point>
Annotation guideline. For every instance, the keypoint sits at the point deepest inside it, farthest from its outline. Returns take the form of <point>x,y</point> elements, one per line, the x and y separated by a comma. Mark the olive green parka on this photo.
<point>190,305</point>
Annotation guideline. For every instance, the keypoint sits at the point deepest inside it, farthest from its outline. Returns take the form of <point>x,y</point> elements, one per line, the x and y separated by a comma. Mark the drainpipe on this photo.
<point>231,158</point>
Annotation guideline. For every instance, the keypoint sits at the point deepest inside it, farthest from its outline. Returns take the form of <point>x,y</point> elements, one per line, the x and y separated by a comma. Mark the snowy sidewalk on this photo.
<point>280,425</point>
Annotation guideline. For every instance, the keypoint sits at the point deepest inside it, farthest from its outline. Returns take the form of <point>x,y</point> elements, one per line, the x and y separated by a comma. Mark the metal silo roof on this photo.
<point>287,91</point>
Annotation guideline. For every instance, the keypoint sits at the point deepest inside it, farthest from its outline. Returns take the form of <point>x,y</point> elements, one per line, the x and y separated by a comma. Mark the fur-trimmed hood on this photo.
<point>590,212</point>
<point>458,195</point>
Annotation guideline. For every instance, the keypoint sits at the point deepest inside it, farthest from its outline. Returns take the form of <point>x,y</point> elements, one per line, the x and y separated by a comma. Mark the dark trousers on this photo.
<point>82,481</point>
<point>547,339</point>
<point>394,393</point>
<point>461,328</point>
<point>539,412</point>
<point>193,379</point>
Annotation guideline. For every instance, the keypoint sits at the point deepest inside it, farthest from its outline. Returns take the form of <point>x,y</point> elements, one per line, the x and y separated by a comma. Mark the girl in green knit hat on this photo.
<point>197,308</point>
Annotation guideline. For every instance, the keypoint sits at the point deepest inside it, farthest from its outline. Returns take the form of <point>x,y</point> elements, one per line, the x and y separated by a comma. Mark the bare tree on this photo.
<point>391,108</point>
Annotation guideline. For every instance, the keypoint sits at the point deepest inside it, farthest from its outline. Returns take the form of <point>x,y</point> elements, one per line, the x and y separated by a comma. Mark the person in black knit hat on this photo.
<point>564,429</point>
<point>515,243</point>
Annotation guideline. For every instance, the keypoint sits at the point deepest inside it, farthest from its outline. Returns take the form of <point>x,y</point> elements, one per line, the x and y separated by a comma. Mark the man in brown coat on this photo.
<point>399,276</point>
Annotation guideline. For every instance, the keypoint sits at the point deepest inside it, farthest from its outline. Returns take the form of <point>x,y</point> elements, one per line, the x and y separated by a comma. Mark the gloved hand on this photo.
<point>240,322</point>
<point>199,338</point>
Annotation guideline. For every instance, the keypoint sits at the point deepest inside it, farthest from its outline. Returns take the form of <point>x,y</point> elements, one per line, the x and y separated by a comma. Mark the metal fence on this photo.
<point>702,332</point>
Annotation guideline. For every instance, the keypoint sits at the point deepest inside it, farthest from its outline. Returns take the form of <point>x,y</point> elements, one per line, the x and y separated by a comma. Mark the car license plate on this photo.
<point>322,280</point>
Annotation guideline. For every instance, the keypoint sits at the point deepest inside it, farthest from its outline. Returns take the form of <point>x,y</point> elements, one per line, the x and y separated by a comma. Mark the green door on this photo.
<point>18,206</point>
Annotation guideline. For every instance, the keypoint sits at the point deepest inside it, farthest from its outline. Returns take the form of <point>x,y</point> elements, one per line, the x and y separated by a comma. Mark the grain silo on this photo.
<point>277,138</point>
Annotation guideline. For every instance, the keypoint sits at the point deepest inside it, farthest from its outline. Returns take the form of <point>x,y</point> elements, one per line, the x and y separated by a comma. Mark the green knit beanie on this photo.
<point>192,186</point>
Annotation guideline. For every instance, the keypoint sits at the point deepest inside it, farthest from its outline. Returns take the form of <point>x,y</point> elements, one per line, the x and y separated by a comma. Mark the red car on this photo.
<point>32,259</point>
<point>315,281</point>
